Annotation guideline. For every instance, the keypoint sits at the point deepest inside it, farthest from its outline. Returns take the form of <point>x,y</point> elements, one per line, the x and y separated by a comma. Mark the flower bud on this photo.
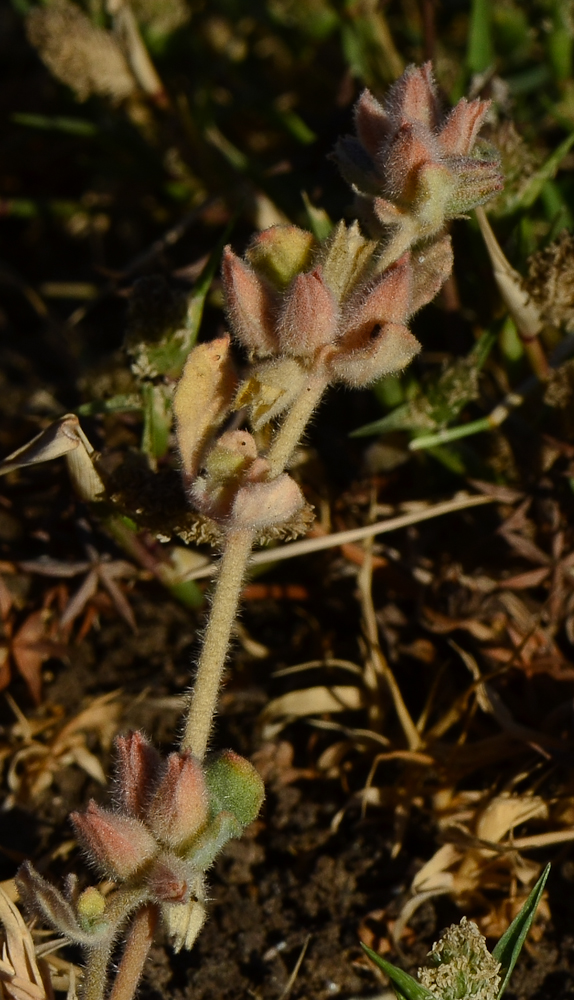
<point>119,845</point>
<point>388,300</point>
<point>431,265</point>
<point>475,181</point>
<point>228,462</point>
<point>137,766</point>
<point>270,389</point>
<point>171,879</point>
<point>261,505</point>
<point>90,908</point>
<point>391,350</point>
<point>345,258</point>
<point>413,97</point>
<point>202,400</point>
<point>411,148</point>
<point>249,304</point>
<point>179,807</point>
<point>308,318</point>
<point>462,125</point>
<point>183,922</point>
<point>234,786</point>
<point>281,252</point>
<point>372,123</point>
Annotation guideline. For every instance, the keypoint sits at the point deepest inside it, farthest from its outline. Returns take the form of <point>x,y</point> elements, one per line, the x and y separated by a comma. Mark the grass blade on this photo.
<point>510,945</point>
<point>404,985</point>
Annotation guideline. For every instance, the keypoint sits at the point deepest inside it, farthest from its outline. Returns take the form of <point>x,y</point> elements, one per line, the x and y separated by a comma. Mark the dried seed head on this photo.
<point>87,59</point>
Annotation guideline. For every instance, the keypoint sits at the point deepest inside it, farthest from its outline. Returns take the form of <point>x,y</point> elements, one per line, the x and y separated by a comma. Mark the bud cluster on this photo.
<point>326,306</point>
<point>414,167</point>
<point>172,818</point>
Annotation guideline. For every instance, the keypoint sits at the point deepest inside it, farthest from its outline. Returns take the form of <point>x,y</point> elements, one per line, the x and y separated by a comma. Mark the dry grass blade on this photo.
<point>34,764</point>
<point>64,437</point>
<point>376,667</point>
<point>308,545</point>
<point>311,701</point>
<point>20,975</point>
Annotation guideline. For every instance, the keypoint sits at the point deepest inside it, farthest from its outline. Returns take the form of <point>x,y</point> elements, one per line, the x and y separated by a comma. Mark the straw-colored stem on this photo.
<point>216,643</point>
<point>295,422</point>
<point>520,305</point>
<point>136,950</point>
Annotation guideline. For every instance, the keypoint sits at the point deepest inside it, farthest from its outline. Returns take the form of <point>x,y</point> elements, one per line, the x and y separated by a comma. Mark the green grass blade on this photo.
<point>510,945</point>
<point>404,985</point>
<point>58,123</point>
<point>480,53</point>
<point>124,402</point>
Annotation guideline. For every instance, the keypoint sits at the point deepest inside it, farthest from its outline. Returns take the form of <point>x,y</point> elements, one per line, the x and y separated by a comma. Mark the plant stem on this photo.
<point>238,544</point>
<point>135,953</point>
<point>212,660</point>
<point>295,422</point>
<point>521,307</point>
<point>118,908</point>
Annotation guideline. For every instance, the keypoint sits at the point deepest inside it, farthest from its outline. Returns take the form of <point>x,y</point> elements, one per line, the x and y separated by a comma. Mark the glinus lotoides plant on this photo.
<point>307,314</point>
<point>460,967</point>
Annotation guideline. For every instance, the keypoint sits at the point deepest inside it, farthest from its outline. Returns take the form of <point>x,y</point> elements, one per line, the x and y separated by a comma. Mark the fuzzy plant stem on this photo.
<point>295,422</point>
<point>118,909</point>
<point>136,950</point>
<point>211,664</point>
<point>238,545</point>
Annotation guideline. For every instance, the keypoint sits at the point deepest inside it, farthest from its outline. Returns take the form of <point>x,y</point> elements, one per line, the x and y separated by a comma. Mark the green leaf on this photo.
<point>124,402</point>
<point>404,985</point>
<point>319,221</point>
<point>510,945</point>
<point>157,419</point>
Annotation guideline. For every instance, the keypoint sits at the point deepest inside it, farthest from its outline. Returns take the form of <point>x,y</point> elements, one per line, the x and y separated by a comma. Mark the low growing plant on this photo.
<point>460,967</point>
<point>308,313</point>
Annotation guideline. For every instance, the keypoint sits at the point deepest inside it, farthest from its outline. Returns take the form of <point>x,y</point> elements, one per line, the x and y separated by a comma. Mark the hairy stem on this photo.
<point>212,660</point>
<point>137,947</point>
<point>118,909</point>
<point>289,434</point>
<point>238,544</point>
